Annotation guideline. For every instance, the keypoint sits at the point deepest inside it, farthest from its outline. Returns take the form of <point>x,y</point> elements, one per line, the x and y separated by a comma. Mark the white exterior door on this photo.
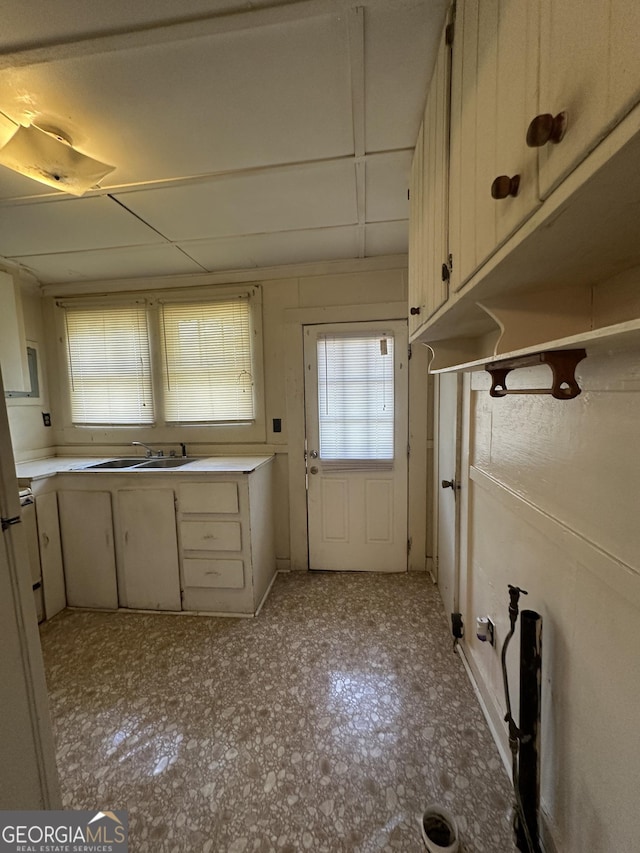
<point>356,409</point>
<point>448,488</point>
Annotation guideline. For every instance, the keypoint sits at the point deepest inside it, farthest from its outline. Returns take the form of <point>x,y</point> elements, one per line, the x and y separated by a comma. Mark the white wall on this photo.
<point>553,506</point>
<point>30,438</point>
<point>368,291</point>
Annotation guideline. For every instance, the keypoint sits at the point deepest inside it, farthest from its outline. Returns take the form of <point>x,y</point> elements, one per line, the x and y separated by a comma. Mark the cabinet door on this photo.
<point>436,181</point>
<point>428,228</point>
<point>516,32</point>
<point>462,171</point>
<point>55,598</point>
<point>13,345</point>
<point>589,68</point>
<point>416,290</point>
<point>150,577</point>
<point>86,530</point>
<point>494,87</point>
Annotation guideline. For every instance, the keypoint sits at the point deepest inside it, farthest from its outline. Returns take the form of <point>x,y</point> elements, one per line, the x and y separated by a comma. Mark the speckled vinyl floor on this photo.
<point>325,724</point>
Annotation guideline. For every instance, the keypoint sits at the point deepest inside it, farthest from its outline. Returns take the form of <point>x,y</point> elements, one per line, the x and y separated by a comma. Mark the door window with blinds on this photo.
<point>109,365</point>
<point>356,400</point>
<point>207,362</point>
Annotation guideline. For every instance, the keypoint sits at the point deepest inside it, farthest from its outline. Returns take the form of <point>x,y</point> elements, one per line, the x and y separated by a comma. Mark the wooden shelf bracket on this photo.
<point>563,367</point>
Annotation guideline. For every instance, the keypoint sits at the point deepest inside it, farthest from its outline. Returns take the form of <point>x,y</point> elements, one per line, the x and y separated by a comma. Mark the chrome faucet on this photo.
<point>150,452</point>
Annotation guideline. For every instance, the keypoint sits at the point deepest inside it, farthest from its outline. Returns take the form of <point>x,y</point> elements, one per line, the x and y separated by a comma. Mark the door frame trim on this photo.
<point>350,325</point>
<point>295,319</point>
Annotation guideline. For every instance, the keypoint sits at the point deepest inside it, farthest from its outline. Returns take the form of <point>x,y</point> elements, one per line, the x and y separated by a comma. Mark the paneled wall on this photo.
<point>553,505</point>
<point>288,303</point>
<point>30,438</point>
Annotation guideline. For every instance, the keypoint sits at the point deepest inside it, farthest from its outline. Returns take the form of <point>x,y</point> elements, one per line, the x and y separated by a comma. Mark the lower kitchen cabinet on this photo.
<point>148,546</point>
<point>227,550</point>
<point>201,541</point>
<point>86,529</point>
<point>53,586</point>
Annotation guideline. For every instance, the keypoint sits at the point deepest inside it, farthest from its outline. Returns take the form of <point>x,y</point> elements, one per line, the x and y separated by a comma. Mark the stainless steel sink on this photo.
<point>166,462</point>
<point>116,463</point>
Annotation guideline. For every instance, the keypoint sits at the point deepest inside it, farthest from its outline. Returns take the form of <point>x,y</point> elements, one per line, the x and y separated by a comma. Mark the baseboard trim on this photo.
<point>504,754</point>
<point>546,839</point>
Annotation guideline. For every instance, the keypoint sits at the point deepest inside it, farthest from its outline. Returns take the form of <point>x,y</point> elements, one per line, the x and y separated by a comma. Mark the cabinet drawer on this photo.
<point>214,573</point>
<point>208,497</point>
<point>211,535</point>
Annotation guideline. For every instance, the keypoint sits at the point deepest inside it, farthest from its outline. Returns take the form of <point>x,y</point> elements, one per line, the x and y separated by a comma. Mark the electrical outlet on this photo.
<point>46,418</point>
<point>486,630</point>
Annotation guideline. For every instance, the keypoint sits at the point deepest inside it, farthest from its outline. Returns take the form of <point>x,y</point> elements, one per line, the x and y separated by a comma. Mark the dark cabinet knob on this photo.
<point>446,274</point>
<point>504,186</point>
<point>546,128</point>
<point>414,311</point>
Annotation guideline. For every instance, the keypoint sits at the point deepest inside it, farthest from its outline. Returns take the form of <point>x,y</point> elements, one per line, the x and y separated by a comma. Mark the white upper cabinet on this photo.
<point>428,232</point>
<point>590,70</point>
<point>416,239</point>
<point>538,187</point>
<point>494,182</point>
<point>13,345</point>
<point>516,37</point>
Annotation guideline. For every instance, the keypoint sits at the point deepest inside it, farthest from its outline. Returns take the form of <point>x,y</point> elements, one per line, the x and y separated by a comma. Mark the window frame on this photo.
<point>164,303</point>
<point>139,305</point>
<point>162,430</point>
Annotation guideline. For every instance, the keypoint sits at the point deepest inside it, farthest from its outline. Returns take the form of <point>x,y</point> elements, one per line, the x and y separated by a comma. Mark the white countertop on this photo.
<point>40,468</point>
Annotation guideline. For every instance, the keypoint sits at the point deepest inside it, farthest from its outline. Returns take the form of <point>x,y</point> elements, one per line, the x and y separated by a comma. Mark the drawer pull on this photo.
<point>504,186</point>
<point>546,128</point>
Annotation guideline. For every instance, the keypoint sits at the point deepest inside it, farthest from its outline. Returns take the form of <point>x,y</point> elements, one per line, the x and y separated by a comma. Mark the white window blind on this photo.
<point>208,362</point>
<point>109,365</point>
<point>355,397</point>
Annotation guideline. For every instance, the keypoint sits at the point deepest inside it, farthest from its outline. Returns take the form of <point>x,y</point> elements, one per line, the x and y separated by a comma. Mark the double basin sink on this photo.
<point>137,463</point>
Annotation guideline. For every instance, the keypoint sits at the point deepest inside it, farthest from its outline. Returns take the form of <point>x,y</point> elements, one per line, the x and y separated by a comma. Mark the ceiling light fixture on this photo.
<point>47,155</point>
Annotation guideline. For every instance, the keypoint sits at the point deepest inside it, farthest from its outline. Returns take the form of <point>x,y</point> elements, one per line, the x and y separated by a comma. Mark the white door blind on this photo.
<point>207,362</point>
<point>109,365</point>
<point>355,397</point>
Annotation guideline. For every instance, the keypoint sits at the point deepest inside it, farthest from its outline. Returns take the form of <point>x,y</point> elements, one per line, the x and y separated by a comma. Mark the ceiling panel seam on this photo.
<point>181,243</point>
<point>356,24</point>
<point>168,183</point>
<point>164,32</point>
<point>139,218</point>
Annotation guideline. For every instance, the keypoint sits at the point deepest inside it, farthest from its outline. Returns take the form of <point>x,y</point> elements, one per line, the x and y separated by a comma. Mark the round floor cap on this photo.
<point>439,830</point>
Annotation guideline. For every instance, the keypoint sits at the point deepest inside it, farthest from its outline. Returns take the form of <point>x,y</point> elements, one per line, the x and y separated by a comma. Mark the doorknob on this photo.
<point>450,484</point>
<point>314,454</point>
<point>313,469</point>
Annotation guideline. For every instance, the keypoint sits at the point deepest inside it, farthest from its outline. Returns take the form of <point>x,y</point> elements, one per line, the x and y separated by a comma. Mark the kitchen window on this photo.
<point>157,362</point>
<point>109,365</point>
<point>208,373</point>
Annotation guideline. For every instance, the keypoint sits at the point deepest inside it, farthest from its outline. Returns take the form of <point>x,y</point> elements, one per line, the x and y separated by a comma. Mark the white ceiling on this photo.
<point>243,134</point>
